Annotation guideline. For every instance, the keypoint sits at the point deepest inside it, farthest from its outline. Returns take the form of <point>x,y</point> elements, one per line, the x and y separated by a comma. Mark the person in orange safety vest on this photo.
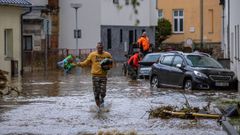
<point>144,43</point>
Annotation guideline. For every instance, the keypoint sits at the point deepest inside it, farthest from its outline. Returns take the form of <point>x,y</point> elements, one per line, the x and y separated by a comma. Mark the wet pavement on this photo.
<point>56,103</point>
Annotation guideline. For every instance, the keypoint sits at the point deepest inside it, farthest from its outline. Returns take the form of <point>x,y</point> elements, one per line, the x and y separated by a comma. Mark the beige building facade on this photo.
<point>10,37</point>
<point>192,23</point>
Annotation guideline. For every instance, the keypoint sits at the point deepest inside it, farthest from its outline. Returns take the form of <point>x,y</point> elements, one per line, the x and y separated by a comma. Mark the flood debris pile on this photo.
<point>231,109</point>
<point>116,132</point>
<point>167,112</point>
<point>6,89</point>
<point>3,80</point>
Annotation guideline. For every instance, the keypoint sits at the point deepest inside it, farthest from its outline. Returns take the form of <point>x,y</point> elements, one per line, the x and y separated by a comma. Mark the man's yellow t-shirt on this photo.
<point>94,60</point>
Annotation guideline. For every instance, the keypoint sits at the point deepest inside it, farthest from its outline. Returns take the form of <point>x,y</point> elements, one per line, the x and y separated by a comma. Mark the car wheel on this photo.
<point>154,82</point>
<point>188,85</point>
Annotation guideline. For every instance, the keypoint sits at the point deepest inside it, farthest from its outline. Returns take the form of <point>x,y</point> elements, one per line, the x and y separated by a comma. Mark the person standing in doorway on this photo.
<point>144,43</point>
<point>101,62</point>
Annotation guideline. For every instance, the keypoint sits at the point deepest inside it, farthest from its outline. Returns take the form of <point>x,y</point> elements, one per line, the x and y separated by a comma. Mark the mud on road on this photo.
<point>55,103</point>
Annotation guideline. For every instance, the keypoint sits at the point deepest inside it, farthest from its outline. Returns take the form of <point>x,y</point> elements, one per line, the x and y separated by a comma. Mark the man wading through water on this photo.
<point>101,62</point>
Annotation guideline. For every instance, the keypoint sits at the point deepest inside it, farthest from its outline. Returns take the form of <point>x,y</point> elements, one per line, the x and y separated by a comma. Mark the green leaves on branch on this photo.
<point>135,4</point>
<point>163,30</point>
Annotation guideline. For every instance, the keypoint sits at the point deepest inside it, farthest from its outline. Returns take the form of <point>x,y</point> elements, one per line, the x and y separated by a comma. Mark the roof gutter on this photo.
<point>23,14</point>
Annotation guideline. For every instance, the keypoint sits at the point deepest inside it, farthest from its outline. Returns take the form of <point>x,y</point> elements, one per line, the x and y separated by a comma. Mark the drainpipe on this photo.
<point>201,24</point>
<point>25,13</point>
<point>228,29</point>
<point>223,29</point>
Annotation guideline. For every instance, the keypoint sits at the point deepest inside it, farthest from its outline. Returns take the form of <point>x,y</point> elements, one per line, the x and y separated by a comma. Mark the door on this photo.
<point>165,69</point>
<point>27,50</point>
<point>130,42</point>
<point>177,74</point>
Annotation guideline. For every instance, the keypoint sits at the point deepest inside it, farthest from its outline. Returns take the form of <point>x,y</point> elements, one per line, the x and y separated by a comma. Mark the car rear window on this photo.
<point>151,58</point>
<point>202,61</point>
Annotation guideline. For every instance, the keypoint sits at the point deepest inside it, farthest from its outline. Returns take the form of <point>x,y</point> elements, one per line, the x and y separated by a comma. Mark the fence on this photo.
<point>35,60</point>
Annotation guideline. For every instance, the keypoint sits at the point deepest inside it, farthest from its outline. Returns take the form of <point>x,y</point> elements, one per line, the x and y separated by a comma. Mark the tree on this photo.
<point>163,31</point>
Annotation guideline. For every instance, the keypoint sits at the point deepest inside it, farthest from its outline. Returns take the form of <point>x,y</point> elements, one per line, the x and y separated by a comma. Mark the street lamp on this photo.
<point>45,14</point>
<point>201,22</point>
<point>76,31</point>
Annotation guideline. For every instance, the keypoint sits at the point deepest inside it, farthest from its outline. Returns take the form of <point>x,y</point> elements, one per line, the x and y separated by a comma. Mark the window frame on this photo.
<point>115,1</point>
<point>178,18</point>
<point>25,43</point>
<point>162,15</point>
<point>5,42</point>
<point>109,39</point>
<point>211,21</point>
<point>127,2</point>
<point>162,59</point>
<point>8,43</point>
<point>121,36</point>
<point>177,63</point>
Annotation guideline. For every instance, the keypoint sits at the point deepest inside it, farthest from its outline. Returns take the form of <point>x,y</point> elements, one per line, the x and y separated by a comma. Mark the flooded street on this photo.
<point>63,104</point>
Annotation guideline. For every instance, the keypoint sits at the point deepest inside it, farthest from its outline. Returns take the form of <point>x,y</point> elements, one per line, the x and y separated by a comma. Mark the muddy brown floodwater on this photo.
<point>56,103</point>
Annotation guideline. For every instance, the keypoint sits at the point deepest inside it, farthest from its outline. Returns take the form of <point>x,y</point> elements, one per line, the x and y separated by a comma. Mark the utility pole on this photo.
<point>47,45</point>
<point>46,15</point>
<point>76,31</point>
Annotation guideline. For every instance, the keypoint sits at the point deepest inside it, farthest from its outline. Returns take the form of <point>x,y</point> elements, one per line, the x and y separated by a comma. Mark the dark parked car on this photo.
<point>146,63</point>
<point>191,71</point>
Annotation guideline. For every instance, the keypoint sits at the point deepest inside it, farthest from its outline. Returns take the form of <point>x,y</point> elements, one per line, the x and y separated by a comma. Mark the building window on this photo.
<point>167,60</point>
<point>160,14</point>
<point>116,1</point>
<point>27,43</point>
<point>211,23</point>
<point>126,2</point>
<point>232,46</point>
<point>131,37</point>
<point>238,42</point>
<point>235,35</point>
<point>109,39</point>
<point>8,43</point>
<point>135,36</point>
<point>121,36</point>
<point>177,60</point>
<point>178,17</point>
<point>236,56</point>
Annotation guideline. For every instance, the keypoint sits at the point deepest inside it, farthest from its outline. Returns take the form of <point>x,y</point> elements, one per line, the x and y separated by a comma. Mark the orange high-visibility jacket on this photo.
<point>144,42</point>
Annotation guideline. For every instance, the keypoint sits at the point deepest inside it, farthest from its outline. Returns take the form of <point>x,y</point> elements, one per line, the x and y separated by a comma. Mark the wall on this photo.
<point>235,37</point>
<point>192,19</point>
<point>88,22</point>
<point>214,36</point>
<point>117,49</point>
<point>225,31</point>
<point>122,14</point>
<point>33,24</point>
<point>39,2</point>
<point>122,17</point>
<point>10,18</point>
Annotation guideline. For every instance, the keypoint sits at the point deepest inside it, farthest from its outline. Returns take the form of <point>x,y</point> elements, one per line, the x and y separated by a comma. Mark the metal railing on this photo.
<point>35,60</point>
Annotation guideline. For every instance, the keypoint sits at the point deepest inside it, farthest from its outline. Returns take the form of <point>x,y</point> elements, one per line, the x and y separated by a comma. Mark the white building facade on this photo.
<point>232,35</point>
<point>113,22</point>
